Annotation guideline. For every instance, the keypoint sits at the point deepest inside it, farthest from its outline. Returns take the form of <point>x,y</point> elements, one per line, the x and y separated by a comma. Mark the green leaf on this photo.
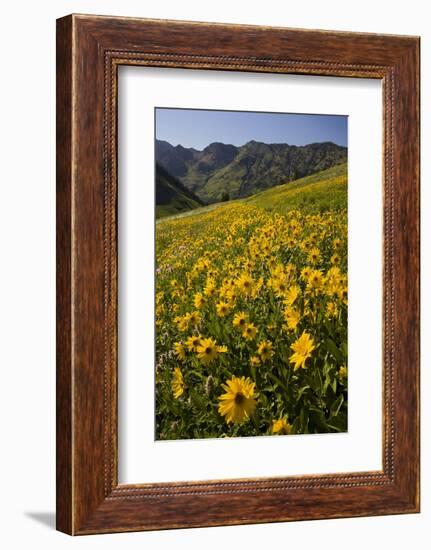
<point>301,391</point>
<point>335,428</point>
<point>326,368</point>
<point>326,384</point>
<point>343,349</point>
<point>277,381</point>
<point>296,426</point>
<point>340,422</point>
<point>336,405</point>
<point>332,347</point>
<point>304,420</point>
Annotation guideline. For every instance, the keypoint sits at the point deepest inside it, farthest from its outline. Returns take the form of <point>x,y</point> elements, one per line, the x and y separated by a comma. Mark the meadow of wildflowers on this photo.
<point>251,315</point>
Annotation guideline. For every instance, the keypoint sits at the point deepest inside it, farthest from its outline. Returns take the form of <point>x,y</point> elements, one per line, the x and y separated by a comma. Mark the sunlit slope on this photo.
<point>326,190</point>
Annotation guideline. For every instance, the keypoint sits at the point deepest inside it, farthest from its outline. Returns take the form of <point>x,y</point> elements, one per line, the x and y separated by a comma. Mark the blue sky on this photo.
<point>198,128</point>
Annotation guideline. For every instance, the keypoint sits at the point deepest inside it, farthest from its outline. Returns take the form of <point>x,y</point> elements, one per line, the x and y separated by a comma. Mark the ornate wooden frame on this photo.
<point>89,51</point>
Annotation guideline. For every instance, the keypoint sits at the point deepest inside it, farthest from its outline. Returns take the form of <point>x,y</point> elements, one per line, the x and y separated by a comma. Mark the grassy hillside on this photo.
<point>323,191</point>
<point>326,190</point>
<point>171,195</point>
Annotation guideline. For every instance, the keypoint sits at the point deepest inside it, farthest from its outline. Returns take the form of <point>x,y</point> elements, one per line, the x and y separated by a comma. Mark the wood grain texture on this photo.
<point>90,49</point>
<point>64,495</point>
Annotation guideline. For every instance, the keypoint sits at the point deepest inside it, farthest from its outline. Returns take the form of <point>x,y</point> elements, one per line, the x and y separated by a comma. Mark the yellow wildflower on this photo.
<point>240,320</point>
<point>194,318</point>
<point>335,259</point>
<point>198,300</point>
<point>331,309</point>
<point>305,273</point>
<point>342,294</point>
<point>193,342</point>
<point>249,332</point>
<point>179,350</point>
<point>208,350</point>
<point>177,383</point>
<point>303,347</point>
<point>342,372</point>
<point>292,316</point>
<point>336,243</point>
<point>222,309</point>
<point>314,255</point>
<point>245,284</point>
<point>315,280</point>
<point>281,426</point>
<point>265,351</point>
<point>254,361</point>
<point>210,287</point>
<point>279,285</point>
<point>238,402</point>
<point>291,295</point>
<point>182,322</point>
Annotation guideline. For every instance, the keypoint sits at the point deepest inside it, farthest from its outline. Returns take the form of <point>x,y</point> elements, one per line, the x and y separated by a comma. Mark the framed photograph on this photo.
<point>237,274</point>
